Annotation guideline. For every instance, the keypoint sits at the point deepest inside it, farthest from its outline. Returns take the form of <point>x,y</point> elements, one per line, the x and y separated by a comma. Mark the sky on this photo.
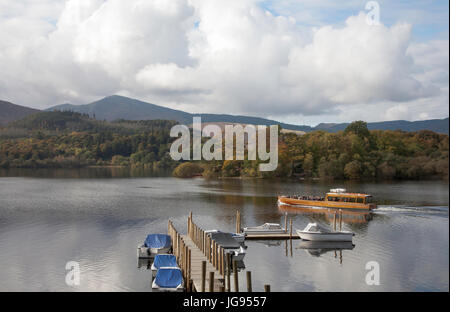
<point>296,61</point>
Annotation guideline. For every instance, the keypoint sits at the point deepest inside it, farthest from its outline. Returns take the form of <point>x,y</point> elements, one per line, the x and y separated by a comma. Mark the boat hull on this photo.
<point>238,257</point>
<point>326,237</point>
<point>148,253</point>
<point>324,204</point>
<point>304,244</point>
<point>157,288</point>
<point>256,232</point>
<point>240,238</point>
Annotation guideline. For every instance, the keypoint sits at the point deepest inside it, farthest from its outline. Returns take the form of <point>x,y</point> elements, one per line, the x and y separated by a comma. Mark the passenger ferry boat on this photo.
<point>336,198</point>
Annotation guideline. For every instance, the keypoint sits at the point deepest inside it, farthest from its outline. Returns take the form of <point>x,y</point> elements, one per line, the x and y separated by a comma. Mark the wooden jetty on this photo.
<point>205,265</point>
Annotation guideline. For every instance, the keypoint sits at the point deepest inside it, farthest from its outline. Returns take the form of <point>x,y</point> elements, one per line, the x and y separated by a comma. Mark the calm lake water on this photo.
<point>97,217</point>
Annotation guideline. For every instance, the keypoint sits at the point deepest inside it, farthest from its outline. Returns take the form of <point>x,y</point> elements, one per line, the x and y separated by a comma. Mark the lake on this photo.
<point>97,217</point>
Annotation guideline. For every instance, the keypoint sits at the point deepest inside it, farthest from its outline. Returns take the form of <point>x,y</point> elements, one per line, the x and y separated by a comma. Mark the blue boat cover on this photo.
<point>168,278</point>
<point>157,241</point>
<point>165,261</point>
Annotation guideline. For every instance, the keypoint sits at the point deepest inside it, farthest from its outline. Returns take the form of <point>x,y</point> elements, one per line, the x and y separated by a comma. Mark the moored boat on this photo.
<point>168,280</point>
<point>163,260</point>
<point>266,228</point>
<point>314,232</point>
<point>336,198</point>
<point>239,237</point>
<point>229,244</point>
<point>154,244</point>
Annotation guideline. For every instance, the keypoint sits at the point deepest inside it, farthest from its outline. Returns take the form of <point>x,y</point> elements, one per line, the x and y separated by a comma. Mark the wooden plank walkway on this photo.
<point>196,268</point>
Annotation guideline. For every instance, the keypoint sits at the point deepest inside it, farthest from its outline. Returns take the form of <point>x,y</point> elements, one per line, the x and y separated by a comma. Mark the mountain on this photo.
<point>119,107</point>
<point>10,112</point>
<point>436,125</point>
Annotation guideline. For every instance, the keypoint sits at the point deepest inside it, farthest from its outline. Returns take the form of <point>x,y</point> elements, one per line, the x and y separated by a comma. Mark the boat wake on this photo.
<point>411,209</point>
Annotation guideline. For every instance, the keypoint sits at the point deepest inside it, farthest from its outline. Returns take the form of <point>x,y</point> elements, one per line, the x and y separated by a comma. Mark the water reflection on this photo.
<point>144,263</point>
<point>85,173</point>
<point>328,214</point>
<point>317,249</point>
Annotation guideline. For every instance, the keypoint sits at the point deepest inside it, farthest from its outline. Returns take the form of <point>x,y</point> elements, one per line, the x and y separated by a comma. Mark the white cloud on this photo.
<point>222,57</point>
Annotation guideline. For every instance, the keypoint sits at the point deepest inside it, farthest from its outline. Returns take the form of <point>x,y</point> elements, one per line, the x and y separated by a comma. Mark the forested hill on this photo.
<point>68,139</point>
<point>435,125</point>
<point>10,112</point>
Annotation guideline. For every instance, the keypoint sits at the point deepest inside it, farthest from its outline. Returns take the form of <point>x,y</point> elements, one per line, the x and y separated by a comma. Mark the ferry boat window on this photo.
<point>368,199</point>
<point>352,200</point>
<point>360,200</point>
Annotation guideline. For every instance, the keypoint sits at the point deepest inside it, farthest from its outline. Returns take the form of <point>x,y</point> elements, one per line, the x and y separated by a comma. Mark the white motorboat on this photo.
<point>168,280</point>
<point>154,244</point>
<point>267,228</point>
<point>238,255</point>
<point>240,238</point>
<point>314,232</point>
<point>229,244</point>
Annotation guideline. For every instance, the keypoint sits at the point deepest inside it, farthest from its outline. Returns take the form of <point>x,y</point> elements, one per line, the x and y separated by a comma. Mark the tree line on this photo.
<point>67,139</point>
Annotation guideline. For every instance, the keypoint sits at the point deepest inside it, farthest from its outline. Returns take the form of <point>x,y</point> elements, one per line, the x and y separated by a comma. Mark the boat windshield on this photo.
<point>314,227</point>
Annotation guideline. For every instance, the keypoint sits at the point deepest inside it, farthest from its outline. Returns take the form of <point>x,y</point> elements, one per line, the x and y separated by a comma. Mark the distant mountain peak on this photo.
<point>116,106</point>
<point>11,112</point>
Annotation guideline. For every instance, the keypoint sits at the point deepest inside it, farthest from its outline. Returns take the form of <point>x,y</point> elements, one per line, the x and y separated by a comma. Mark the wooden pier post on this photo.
<point>186,264</point>
<point>290,243</point>
<point>238,222</point>
<point>266,288</point>
<point>189,269</point>
<point>236,277</point>
<point>211,281</point>
<point>221,260</point>
<point>285,222</point>
<point>228,272</point>
<point>189,225</point>
<point>290,233</point>
<point>249,281</point>
<point>334,221</point>
<point>213,253</point>
<point>340,219</point>
<point>178,248</point>
<point>202,234</point>
<point>208,248</point>
<point>203,285</point>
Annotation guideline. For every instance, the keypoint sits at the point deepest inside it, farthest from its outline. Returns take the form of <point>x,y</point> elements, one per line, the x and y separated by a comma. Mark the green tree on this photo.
<point>187,170</point>
<point>359,128</point>
<point>353,170</point>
